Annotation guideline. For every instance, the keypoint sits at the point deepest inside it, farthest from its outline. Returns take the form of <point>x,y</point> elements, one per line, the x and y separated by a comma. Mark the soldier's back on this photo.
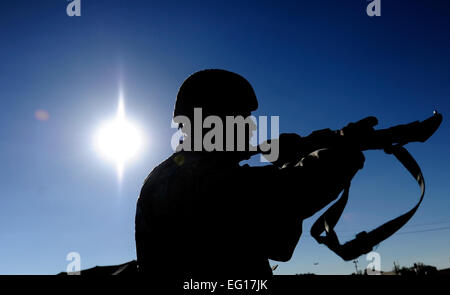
<point>193,219</point>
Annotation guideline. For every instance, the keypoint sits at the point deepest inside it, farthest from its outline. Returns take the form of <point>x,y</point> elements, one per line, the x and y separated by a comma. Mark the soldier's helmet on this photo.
<point>217,92</point>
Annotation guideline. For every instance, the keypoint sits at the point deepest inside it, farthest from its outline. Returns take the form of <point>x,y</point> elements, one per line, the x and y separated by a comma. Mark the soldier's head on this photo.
<point>217,93</point>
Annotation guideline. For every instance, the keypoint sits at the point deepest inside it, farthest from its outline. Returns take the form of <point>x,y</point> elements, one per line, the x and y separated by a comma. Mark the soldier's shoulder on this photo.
<point>165,165</point>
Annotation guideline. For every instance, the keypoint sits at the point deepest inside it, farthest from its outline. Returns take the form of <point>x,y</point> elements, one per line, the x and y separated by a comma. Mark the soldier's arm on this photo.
<point>325,174</point>
<point>296,193</point>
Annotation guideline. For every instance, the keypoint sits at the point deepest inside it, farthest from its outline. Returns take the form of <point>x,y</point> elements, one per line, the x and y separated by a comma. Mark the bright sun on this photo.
<point>118,139</point>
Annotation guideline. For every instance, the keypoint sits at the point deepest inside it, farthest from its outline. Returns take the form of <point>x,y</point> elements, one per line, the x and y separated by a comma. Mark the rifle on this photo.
<point>391,140</point>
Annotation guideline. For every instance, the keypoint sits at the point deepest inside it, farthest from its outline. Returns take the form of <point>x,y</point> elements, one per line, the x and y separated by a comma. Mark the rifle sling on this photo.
<point>364,242</point>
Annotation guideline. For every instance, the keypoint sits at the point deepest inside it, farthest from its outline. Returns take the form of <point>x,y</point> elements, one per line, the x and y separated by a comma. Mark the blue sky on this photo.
<point>316,64</point>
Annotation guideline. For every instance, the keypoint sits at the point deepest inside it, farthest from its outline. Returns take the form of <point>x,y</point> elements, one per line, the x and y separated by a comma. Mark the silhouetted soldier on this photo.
<point>202,214</point>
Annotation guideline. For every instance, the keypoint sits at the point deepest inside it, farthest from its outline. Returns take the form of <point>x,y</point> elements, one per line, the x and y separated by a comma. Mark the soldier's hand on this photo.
<point>358,131</point>
<point>336,158</point>
<point>289,145</point>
